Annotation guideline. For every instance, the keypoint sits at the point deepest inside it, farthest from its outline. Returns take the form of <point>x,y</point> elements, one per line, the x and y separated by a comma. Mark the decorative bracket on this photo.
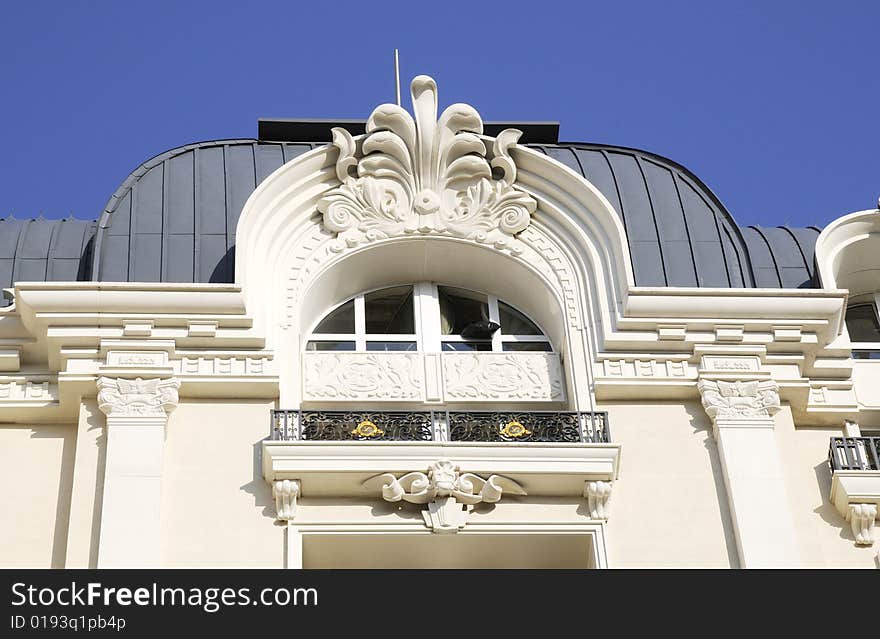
<point>449,493</point>
<point>861,518</point>
<point>598,495</point>
<point>285,492</point>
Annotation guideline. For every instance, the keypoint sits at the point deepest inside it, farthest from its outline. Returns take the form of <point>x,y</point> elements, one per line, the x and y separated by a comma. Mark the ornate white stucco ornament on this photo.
<point>449,493</point>
<point>426,176</point>
<point>739,399</point>
<point>286,492</point>
<point>119,397</point>
<point>862,518</point>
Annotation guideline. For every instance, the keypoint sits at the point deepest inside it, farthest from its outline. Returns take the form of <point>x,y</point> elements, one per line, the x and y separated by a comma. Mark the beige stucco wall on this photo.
<point>217,510</point>
<point>87,488</point>
<point>669,505</point>
<point>824,537</point>
<point>36,466</point>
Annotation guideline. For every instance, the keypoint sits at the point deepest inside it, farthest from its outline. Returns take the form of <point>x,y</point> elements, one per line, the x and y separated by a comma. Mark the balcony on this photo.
<point>854,453</point>
<point>441,426</point>
<point>855,483</point>
<point>337,453</point>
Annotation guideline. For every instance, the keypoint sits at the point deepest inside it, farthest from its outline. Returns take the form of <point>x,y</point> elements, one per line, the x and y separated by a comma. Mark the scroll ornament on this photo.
<point>409,176</point>
<point>449,493</point>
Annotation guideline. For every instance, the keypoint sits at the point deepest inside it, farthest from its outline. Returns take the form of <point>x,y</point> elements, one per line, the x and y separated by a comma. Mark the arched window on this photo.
<point>427,317</point>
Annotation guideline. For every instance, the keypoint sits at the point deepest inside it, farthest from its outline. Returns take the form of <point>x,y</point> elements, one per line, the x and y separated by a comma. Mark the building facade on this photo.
<point>435,343</point>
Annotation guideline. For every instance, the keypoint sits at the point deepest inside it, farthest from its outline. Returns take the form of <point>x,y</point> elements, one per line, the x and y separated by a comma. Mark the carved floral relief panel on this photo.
<point>364,376</point>
<point>470,377</point>
<point>502,376</point>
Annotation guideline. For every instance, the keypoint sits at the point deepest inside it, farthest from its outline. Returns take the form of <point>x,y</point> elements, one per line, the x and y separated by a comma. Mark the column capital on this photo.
<point>741,399</point>
<point>120,397</point>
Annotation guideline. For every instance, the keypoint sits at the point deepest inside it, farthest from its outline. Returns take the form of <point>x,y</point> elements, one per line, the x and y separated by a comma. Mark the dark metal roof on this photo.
<point>174,219</point>
<point>782,256</point>
<point>679,233</point>
<point>45,250</point>
<point>299,130</point>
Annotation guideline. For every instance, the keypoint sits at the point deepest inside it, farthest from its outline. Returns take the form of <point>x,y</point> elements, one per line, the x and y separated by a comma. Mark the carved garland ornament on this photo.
<point>447,491</point>
<point>426,176</point>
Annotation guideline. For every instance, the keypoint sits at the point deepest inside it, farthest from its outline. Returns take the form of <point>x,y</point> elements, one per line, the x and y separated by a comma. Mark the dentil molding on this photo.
<point>449,493</point>
<point>119,397</point>
<point>422,175</point>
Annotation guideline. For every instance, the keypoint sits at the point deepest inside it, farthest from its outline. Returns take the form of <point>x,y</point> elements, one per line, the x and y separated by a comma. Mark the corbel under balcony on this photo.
<point>855,483</point>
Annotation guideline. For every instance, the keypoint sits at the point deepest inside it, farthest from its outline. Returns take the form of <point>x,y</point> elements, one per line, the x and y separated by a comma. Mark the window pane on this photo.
<point>390,311</point>
<point>340,320</point>
<point>330,346</point>
<point>861,322</point>
<point>526,346</point>
<point>515,323</point>
<point>391,346</point>
<point>459,308</point>
<point>467,346</point>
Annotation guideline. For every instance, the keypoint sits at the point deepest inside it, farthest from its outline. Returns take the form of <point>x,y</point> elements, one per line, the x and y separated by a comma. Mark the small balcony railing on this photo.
<point>441,426</point>
<point>854,453</point>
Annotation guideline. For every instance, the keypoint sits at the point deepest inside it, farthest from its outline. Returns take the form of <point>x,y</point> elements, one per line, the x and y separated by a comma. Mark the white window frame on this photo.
<point>866,346</point>
<point>427,338</point>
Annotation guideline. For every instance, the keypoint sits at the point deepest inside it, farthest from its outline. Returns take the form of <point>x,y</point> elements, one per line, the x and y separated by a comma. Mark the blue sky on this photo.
<point>775,105</point>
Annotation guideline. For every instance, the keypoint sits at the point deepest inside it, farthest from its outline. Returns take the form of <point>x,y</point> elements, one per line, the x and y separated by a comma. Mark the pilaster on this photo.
<point>741,400</point>
<point>137,412</point>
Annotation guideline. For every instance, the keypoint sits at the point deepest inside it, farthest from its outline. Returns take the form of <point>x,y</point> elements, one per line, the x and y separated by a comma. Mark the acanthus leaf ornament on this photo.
<point>424,175</point>
<point>120,397</point>
<point>739,399</point>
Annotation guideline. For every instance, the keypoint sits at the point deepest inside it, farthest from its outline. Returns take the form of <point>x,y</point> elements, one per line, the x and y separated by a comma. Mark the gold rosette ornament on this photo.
<point>367,428</point>
<point>515,429</point>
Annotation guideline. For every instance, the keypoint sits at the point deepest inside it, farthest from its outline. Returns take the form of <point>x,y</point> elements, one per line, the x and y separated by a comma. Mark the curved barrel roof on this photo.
<point>173,219</point>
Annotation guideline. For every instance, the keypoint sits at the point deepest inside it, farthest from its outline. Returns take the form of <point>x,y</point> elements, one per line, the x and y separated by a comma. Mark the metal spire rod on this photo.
<point>397,75</point>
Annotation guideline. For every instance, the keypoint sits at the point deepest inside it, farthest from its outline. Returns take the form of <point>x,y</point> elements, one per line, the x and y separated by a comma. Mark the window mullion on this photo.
<point>495,316</point>
<point>360,324</point>
<point>429,317</point>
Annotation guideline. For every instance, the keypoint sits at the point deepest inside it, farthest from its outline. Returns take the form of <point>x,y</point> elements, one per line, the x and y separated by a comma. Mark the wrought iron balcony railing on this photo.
<point>455,426</point>
<point>854,453</point>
